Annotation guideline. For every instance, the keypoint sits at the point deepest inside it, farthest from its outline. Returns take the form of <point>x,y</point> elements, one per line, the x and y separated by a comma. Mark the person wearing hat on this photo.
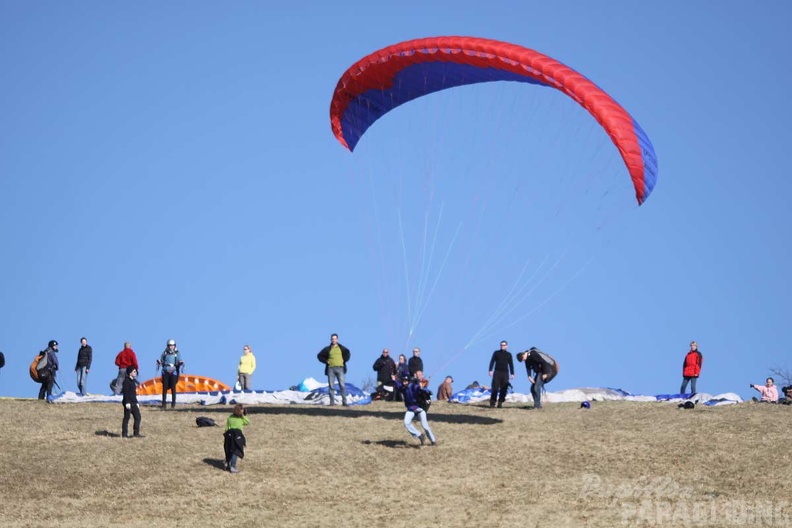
<point>444,391</point>
<point>45,391</point>
<point>416,399</point>
<point>171,363</point>
<point>130,403</point>
<point>501,368</point>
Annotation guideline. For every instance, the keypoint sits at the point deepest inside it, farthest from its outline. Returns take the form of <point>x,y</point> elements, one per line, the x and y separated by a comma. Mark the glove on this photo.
<point>128,406</point>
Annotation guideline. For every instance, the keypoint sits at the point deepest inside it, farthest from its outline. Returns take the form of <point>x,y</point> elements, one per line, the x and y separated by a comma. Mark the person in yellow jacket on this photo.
<point>247,365</point>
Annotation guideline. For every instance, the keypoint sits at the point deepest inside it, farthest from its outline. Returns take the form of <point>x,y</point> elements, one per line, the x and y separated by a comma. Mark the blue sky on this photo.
<point>167,170</point>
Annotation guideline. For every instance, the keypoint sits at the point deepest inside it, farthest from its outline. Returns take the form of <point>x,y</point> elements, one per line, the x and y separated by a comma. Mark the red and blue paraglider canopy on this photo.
<point>392,76</point>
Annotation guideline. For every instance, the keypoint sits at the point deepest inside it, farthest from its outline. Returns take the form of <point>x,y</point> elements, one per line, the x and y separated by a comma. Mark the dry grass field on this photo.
<point>618,464</point>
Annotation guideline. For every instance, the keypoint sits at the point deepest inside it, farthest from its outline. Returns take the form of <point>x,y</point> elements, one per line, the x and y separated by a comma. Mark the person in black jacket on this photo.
<point>416,363</point>
<point>84,359</point>
<point>335,357</point>
<point>502,372</point>
<point>385,368</point>
<point>541,369</point>
<point>130,403</point>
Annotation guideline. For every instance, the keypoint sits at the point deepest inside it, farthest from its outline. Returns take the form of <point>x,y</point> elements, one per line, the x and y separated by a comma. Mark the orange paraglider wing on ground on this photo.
<point>187,383</point>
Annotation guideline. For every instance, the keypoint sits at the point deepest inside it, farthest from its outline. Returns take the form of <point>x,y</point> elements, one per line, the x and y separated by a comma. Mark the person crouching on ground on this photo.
<point>234,439</point>
<point>131,406</point>
<point>416,400</point>
<point>769,392</point>
<point>445,390</point>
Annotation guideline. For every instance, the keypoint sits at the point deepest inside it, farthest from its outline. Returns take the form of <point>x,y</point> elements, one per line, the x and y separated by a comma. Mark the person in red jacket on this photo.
<point>125,358</point>
<point>691,368</point>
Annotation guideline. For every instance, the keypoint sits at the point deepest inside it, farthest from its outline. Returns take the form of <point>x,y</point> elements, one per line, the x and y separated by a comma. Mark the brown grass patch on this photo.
<point>65,465</point>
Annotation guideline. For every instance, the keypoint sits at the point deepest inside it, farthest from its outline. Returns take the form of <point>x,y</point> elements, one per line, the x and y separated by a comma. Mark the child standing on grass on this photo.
<point>234,439</point>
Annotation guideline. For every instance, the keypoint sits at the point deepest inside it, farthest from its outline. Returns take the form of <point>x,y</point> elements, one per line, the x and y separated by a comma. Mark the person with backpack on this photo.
<point>130,403</point>
<point>84,358</point>
<point>417,400</point>
<point>691,368</point>
<point>541,368</point>
<point>125,359</point>
<point>234,439</point>
<point>47,368</point>
<point>171,364</point>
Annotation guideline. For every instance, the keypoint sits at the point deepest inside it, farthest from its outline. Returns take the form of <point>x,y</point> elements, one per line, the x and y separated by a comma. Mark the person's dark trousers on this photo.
<point>169,382</point>
<point>500,385</point>
<point>132,411</point>
<point>692,381</point>
<point>45,391</point>
<point>536,391</point>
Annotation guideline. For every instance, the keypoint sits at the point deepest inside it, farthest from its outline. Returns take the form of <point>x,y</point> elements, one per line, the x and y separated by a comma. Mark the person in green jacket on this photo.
<point>234,440</point>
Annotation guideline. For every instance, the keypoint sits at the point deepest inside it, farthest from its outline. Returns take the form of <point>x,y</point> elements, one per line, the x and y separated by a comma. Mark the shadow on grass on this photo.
<point>217,463</point>
<point>355,411</point>
<point>392,444</point>
<point>107,433</point>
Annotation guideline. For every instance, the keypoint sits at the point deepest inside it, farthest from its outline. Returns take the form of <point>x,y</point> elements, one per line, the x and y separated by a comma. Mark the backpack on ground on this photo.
<point>40,369</point>
<point>203,421</point>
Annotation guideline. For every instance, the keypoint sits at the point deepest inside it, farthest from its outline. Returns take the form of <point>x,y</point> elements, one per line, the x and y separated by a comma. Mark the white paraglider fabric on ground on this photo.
<point>313,392</point>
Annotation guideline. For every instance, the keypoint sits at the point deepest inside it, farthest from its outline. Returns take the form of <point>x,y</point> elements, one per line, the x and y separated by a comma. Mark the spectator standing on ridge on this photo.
<point>769,391</point>
<point>416,400</point>
<point>445,391</point>
<point>171,364</point>
<point>125,359</point>
<point>247,365</point>
<point>541,368</point>
<point>691,368</point>
<point>49,373</point>
<point>502,373</point>
<point>335,357</point>
<point>130,403</point>
<point>83,367</point>
<point>385,368</point>
<point>416,363</point>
